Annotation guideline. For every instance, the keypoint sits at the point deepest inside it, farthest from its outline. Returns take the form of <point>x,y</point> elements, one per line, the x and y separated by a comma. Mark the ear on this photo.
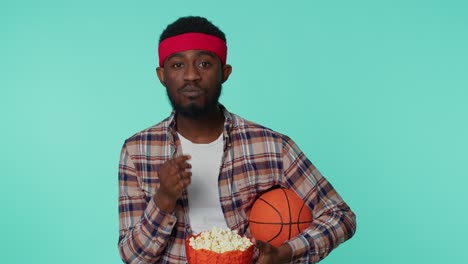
<point>227,69</point>
<point>160,73</point>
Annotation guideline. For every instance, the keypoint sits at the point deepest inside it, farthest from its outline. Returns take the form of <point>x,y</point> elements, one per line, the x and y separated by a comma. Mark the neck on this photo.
<point>201,129</point>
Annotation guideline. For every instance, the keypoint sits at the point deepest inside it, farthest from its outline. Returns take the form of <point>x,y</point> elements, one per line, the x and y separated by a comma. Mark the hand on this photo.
<point>173,179</point>
<point>270,254</point>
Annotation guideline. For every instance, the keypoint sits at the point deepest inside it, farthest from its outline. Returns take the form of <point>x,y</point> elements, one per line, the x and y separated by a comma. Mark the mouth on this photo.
<point>191,91</point>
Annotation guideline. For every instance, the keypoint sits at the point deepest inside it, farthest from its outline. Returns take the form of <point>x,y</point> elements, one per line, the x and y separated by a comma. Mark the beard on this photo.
<point>193,110</point>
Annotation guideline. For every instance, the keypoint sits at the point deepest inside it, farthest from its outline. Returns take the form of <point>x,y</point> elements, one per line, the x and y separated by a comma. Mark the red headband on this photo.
<point>192,41</point>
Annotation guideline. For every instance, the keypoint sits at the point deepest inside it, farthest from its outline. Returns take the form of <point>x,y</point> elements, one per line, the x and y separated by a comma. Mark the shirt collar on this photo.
<point>228,124</point>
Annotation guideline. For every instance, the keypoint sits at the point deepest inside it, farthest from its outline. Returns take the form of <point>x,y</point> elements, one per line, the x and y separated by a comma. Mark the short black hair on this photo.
<point>191,24</point>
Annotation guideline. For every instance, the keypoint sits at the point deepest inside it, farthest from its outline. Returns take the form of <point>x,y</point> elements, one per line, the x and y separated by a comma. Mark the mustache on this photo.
<point>189,88</point>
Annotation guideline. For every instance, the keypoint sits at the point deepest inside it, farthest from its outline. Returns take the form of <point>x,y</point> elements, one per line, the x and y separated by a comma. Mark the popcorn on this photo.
<point>220,240</point>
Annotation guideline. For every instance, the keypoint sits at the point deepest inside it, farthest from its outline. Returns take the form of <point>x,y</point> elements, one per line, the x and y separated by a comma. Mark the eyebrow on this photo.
<point>205,52</point>
<point>200,52</point>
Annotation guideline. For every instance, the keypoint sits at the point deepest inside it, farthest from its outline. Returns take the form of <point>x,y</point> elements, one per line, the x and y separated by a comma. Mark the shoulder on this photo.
<point>157,132</point>
<point>253,129</point>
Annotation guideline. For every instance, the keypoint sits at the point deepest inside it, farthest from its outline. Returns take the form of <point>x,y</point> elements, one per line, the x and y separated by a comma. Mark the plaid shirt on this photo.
<point>255,159</point>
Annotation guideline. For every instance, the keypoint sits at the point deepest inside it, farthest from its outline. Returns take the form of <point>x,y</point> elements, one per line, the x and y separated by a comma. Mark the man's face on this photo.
<point>193,80</point>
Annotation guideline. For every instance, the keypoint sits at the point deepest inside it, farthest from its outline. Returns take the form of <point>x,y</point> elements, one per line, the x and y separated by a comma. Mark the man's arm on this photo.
<point>333,221</point>
<point>144,228</point>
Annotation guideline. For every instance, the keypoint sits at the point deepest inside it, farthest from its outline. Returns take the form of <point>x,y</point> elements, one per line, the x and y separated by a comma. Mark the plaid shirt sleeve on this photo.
<point>144,228</point>
<point>333,222</point>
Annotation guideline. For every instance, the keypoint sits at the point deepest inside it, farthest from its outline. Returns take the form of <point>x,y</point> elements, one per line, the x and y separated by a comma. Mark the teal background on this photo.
<point>374,92</point>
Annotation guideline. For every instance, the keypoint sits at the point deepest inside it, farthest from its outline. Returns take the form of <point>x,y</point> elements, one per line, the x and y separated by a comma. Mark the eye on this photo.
<point>177,65</point>
<point>205,64</point>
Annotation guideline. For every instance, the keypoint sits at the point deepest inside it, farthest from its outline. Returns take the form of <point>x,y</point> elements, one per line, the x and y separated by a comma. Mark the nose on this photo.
<point>191,73</point>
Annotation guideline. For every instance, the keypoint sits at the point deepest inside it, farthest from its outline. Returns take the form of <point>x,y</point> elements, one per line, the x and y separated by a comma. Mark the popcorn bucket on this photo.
<point>203,256</point>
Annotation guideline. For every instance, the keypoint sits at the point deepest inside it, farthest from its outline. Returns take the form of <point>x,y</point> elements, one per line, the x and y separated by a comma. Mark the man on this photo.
<point>204,166</point>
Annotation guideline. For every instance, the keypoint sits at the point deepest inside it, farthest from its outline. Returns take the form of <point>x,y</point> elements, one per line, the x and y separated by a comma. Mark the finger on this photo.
<point>186,181</point>
<point>177,160</point>
<point>184,166</point>
<point>181,159</point>
<point>262,246</point>
<point>181,185</point>
<point>182,175</point>
<point>185,178</point>
<point>185,174</point>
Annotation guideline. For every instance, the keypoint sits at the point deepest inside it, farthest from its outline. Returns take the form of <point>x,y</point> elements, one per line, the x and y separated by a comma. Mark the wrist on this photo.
<point>164,202</point>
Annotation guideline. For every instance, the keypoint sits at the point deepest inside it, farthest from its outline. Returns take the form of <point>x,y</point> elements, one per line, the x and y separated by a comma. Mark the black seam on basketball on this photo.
<point>299,216</point>
<point>290,213</point>
<point>281,218</point>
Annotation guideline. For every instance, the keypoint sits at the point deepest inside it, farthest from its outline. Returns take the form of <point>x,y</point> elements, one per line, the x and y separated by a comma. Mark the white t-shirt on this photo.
<point>203,195</point>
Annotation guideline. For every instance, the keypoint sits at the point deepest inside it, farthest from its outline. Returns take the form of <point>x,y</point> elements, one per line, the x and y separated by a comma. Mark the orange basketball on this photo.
<point>278,215</point>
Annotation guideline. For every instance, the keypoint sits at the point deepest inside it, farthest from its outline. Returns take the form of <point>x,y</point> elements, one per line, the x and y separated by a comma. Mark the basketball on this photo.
<point>278,215</point>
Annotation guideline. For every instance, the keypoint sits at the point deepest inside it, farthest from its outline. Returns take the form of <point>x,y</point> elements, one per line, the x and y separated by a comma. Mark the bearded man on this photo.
<point>203,166</point>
